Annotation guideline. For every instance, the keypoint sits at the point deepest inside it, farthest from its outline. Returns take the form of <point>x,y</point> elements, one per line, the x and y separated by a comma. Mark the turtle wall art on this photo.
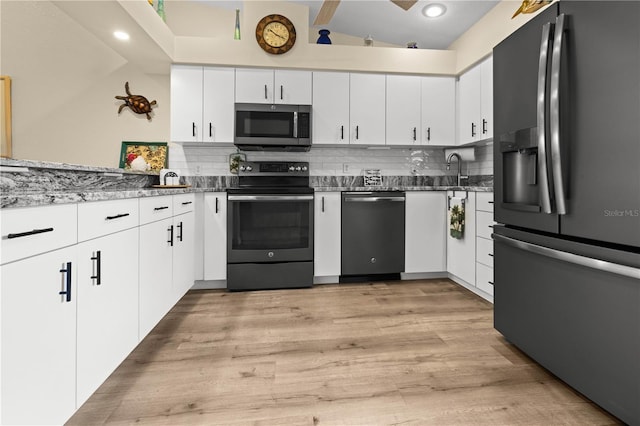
<point>138,103</point>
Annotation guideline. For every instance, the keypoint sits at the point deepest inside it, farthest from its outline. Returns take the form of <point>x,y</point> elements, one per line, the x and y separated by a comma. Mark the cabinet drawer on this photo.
<point>155,208</point>
<point>484,222</point>
<point>484,253</point>
<point>183,203</point>
<point>484,201</point>
<point>32,230</point>
<point>106,217</point>
<point>484,278</point>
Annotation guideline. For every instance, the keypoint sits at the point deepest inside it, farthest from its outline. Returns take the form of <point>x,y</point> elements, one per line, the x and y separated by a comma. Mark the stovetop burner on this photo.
<point>274,175</point>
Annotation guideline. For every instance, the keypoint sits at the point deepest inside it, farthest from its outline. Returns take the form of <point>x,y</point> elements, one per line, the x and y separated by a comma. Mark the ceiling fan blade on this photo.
<point>405,4</point>
<point>326,12</point>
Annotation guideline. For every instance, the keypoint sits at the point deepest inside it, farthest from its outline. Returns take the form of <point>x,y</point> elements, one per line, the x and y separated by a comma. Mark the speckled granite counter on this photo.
<point>25,183</point>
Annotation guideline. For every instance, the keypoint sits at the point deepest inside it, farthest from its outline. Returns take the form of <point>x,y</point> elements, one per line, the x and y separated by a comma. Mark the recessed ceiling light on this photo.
<point>121,35</point>
<point>434,10</point>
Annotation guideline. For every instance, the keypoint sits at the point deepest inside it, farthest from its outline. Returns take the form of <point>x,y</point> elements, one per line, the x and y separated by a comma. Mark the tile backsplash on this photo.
<point>210,160</point>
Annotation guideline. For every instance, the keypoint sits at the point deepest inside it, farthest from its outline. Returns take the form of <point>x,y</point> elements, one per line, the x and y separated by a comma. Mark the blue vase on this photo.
<point>324,37</point>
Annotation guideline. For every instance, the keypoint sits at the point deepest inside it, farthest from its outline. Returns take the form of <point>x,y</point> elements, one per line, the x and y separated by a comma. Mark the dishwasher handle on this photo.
<point>373,199</point>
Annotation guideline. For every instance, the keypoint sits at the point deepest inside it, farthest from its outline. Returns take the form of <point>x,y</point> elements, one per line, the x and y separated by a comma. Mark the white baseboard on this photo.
<point>471,287</point>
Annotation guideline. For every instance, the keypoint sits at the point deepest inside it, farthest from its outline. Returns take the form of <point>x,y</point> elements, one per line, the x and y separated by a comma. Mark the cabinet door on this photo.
<point>186,103</point>
<point>218,100</point>
<point>39,339</point>
<point>215,236</point>
<point>292,87</point>
<point>486,99</point>
<point>107,307</point>
<point>330,108</point>
<point>183,254</point>
<point>326,258</point>
<point>367,109</point>
<point>469,106</point>
<point>461,253</point>
<point>156,272</point>
<point>254,86</point>
<point>438,95</point>
<point>425,227</point>
<point>403,110</point>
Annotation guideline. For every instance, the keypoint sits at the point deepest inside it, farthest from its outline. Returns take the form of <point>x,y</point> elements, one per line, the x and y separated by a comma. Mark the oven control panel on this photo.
<point>273,168</point>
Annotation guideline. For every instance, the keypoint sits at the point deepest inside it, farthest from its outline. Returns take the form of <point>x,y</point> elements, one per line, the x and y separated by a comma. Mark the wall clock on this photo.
<point>275,34</point>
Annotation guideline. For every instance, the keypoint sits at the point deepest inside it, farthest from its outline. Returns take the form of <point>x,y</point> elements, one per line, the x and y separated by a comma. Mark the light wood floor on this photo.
<point>411,353</point>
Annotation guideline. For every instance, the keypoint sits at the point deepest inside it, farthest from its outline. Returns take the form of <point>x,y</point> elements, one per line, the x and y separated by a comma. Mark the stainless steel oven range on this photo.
<point>270,227</point>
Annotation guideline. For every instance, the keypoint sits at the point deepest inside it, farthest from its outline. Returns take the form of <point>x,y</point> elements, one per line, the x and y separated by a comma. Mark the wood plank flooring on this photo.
<point>412,353</point>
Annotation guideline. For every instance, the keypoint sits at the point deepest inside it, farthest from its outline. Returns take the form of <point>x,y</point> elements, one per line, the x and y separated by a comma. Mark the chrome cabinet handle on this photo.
<point>428,133</point>
<point>322,204</point>
<point>554,116</point>
<point>265,91</point>
<point>589,262</point>
<point>414,134</point>
<point>170,240</point>
<point>543,172</point>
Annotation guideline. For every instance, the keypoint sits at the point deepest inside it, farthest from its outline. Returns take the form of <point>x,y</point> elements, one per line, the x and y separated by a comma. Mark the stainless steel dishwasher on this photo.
<point>372,235</point>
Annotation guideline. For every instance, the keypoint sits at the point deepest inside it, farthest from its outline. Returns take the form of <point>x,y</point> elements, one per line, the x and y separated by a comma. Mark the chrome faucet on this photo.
<point>457,156</point>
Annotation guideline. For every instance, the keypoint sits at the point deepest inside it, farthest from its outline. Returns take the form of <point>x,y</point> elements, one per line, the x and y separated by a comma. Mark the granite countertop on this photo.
<point>26,183</point>
<point>403,188</point>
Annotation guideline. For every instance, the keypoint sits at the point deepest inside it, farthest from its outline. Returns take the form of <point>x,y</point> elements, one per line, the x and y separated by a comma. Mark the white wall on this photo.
<point>64,81</point>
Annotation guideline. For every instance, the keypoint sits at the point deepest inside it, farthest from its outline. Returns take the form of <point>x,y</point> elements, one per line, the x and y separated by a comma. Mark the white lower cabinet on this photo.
<point>82,284</point>
<point>39,338</point>
<point>425,237</point>
<point>156,262</point>
<point>184,246</point>
<point>484,243</point>
<point>215,236</point>
<point>461,252</point>
<point>326,238</point>
<point>107,307</point>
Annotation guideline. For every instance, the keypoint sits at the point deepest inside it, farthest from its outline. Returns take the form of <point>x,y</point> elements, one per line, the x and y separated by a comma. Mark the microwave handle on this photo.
<point>295,124</point>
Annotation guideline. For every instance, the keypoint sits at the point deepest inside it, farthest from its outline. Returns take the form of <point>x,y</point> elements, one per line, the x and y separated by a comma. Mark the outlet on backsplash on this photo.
<point>198,169</point>
<point>345,168</point>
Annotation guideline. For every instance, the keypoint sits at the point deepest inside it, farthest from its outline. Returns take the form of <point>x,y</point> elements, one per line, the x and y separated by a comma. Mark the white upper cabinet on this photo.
<point>330,108</point>
<point>292,87</point>
<point>438,111</point>
<point>469,106</point>
<point>403,106</point>
<point>202,104</point>
<point>217,105</point>
<point>486,98</point>
<point>367,108</point>
<point>268,86</point>
<point>475,103</point>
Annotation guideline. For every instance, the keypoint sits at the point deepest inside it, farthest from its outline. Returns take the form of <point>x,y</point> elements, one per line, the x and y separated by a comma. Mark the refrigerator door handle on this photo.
<point>554,116</point>
<point>589,262</point>
<point>543,170</point>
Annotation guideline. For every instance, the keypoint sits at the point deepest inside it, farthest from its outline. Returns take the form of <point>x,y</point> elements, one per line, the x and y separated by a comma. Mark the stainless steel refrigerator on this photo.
<point>567,197</point>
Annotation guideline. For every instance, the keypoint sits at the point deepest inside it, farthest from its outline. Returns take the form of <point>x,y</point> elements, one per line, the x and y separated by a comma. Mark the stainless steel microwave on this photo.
<point>269,127</point>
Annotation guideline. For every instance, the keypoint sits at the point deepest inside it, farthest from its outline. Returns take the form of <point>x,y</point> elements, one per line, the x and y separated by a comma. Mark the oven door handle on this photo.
<point>270,198</point>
